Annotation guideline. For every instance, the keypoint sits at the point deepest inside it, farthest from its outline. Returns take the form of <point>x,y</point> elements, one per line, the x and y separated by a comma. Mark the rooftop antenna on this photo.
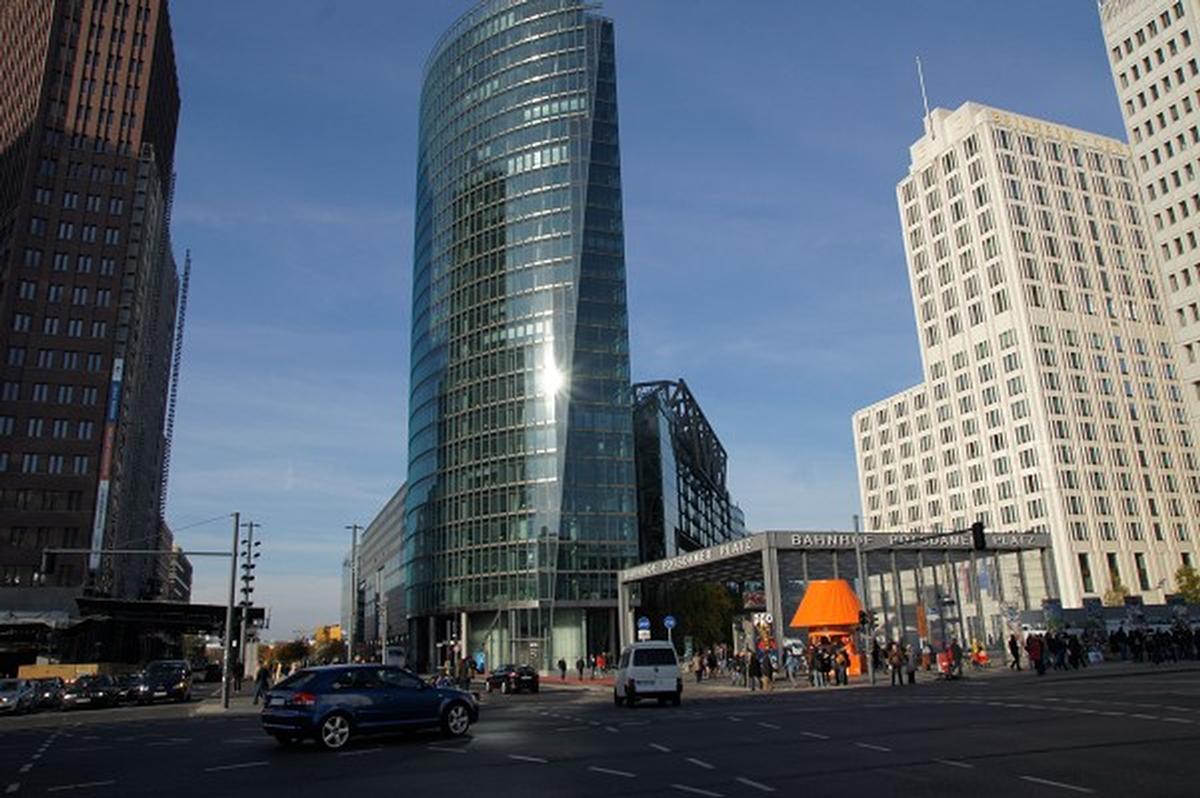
<point>925,99</point>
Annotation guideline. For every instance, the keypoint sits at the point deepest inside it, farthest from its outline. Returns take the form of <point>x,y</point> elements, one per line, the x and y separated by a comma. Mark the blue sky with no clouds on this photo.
<point>761,145</point>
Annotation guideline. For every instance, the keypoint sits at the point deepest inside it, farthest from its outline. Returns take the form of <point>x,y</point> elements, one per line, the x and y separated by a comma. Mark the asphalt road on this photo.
<point>1126,735</point>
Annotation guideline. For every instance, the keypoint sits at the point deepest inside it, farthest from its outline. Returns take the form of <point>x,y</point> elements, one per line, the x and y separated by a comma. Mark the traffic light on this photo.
<point>978,541</point>
<point>864,620</point>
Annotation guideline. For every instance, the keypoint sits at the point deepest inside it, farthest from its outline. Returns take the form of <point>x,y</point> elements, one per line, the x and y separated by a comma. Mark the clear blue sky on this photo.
<point>761,145</point>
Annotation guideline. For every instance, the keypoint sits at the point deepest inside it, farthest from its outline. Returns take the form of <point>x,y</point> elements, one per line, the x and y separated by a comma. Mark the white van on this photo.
<point>648,669</point>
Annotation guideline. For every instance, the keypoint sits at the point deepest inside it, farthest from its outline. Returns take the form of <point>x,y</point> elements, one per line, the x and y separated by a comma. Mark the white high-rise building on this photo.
<point>1051,399</point>
<point>1154,52</point>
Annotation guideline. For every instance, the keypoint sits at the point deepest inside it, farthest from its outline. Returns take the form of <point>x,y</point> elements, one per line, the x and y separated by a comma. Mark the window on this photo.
<point>1085,574</point>
<point>81,464</point>
<point>66,231</point>
<point>21,322</point>
<point>89,233</point>
<point>1114,571</point>
<point>107,267</point>
<point>95,362</point>
<point>112,236</point>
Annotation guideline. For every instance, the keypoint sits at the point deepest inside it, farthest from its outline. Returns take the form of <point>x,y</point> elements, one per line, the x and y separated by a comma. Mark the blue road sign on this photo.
<point>669,622</point>
<point>643,622</point>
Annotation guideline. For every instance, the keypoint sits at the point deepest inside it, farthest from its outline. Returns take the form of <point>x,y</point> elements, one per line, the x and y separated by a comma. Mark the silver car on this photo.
<point>17,696</point>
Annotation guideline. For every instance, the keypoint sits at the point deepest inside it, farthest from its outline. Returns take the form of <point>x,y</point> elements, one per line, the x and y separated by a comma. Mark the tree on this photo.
<point>331,651</point>
<point>1187,581</point>
<point>703,611</point>
<point>1115,595</point>
<point>292,651</point>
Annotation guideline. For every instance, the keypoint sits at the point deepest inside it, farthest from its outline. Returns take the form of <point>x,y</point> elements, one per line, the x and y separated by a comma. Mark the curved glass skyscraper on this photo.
<point>521,503</point>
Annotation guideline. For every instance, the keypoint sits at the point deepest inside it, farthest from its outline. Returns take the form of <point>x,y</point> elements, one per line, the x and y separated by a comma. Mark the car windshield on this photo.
<point>166,669</point>
<point>654,656</point>
<point>505,668</point>
<point>8,685</point>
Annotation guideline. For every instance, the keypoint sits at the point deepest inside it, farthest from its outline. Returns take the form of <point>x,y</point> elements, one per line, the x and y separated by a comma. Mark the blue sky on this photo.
<point>761,145</point>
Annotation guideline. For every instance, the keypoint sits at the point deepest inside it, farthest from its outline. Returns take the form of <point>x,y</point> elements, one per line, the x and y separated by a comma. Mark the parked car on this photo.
<point>128,687</point>
<point>648,669</point>
<point>95,690</point>
<point>336,703</point>
<point>512,679</point>
<point>17,696</point>
<point>169,679</point>
<point>48,692</point>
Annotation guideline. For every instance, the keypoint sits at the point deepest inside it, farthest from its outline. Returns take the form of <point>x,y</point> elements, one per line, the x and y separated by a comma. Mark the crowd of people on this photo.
<point>1062,650</point>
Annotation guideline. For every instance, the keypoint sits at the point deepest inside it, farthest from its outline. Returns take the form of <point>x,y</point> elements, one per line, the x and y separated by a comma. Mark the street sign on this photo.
<point>643,623</point>
<point>643,634</point>
<point>669,622</point>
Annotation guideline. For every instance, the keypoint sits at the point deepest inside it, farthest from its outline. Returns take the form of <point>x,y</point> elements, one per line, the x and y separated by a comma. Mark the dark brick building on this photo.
<point>89,103</point>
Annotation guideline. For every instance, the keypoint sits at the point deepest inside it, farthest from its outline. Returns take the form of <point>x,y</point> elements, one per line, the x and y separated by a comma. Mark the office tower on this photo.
<point>378,597</point>
<point>88,110</point>
<point>683,501</point>
<point>1155,61</point>
<point>1051,399</point>
<point>520,504</point>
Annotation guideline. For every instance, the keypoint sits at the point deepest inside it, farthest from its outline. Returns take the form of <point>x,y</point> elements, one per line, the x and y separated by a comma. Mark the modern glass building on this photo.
<point>521,503</point>
<point>683,501</point>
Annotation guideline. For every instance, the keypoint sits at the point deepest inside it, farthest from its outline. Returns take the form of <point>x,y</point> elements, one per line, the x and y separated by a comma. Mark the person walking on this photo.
<point>911,660</point>
<point>562,669</point>
<point>841,667</point>
<point>754,672</point>
<point>262,682</point>
<point>895,661</point>
<point>1034,648</point>
<point>698,667</point>
<point>579,666</point>
<point>768,668</point>
<point>1014,651</point>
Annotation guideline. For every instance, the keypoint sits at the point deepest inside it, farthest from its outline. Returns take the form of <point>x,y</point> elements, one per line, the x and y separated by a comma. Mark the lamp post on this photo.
<point>248,567</point>
<point>354,528</point>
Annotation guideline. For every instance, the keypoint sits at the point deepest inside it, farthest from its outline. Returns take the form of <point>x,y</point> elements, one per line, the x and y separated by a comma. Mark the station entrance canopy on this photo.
<point>919,587</point>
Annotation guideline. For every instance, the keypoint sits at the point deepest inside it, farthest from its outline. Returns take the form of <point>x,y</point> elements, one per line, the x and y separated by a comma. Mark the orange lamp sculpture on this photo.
<point>830,610</point>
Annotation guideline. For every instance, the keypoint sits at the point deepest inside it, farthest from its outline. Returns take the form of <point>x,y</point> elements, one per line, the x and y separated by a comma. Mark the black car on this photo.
<point>513,679</point>
<point>89,691</point>
<point>48,692</point>
<point>128,687</point>
<point>336,703</point>
<point>167,679</point>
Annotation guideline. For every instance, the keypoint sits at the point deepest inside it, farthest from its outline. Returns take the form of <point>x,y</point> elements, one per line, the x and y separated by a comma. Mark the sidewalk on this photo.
<point>572,682</point>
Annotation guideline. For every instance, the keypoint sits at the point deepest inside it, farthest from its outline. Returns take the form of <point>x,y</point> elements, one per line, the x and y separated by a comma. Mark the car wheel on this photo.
<point>617,700</point>
<point>533,689</point>
<point>456,720</point>
<point>334,732</point>
<point>504,687</point>
<point>677,699</point>
<point>630,699</point>
<point>487,687</point>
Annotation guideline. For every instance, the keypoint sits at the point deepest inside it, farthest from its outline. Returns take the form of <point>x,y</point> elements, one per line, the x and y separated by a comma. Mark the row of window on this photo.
<point>51,325</point>
<point>70,201</point>
<point>55,292</point>
<point>59,428</point>
<point>66,231</point>
<point>63,262</point>
<point>38,463</point>
<point>63,395</point>
<point>96,173</point>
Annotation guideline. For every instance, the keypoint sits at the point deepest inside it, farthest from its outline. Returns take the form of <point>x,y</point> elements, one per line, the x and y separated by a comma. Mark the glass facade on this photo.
<point>683,503</point>
<point>521,502</point>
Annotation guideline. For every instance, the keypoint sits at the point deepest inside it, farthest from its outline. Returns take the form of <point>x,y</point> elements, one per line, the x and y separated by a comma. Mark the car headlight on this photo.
<point>181,686</point>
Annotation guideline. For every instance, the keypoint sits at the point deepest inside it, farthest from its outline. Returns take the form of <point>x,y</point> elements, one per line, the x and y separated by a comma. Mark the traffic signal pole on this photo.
<point>226,671</point>
<point>868,631</point>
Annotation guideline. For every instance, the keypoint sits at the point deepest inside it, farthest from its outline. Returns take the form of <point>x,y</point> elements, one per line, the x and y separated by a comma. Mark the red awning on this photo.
<point>827,602</point>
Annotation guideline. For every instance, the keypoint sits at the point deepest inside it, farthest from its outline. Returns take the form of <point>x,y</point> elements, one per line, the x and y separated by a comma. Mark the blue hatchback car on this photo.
<point>335,703</point>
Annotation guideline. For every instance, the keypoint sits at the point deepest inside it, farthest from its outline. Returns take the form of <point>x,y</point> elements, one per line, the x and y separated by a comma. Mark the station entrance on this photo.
<point>913,588</point>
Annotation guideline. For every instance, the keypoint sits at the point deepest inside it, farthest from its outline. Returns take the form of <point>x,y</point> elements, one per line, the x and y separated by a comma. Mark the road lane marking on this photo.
<point>662,748</point>
<point>522,758</point>
<point>238,766</point>
<point>700,763</point>
<point>698,791</point>
<point>735,719</point>
<point>612,729</point>
<point>25,768</point>
<point>83,786</point>
<point>13,787</point>
<point>766,725</point>
<point>360,752</point>
<point>571,728</point>
<point>634,723</point>
<point>1144,717</point>
<point>755,784</point>
<point>446,750</point>
<point>815,736</point>
<point>871,747</point>
<point>954,763</point>
<point>1059,784</point>
<point>622,773</point>
<point>1178,720</point>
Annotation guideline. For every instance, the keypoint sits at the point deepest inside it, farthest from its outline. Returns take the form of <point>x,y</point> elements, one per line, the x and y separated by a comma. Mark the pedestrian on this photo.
<point>754,671</point>
<point>579,666</point>
<point>1035,650</point>
<point>238,674</point>
<point>895,661</point>
<point>910,664</point>
<point>592,665</point>
<point>698,667</point>
<point>841,666</point>
<point>1014,651</point>
<point>262,682</point>
<point>768,669</point>
<point>956,657</point>
<point>562,669</point>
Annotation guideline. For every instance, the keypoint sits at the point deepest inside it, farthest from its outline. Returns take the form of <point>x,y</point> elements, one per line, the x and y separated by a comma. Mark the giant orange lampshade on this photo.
<point>827,603</point>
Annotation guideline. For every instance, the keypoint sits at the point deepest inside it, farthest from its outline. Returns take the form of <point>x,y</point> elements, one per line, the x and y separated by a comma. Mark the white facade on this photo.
<point>1051,400</point>
<point>1154,52</point>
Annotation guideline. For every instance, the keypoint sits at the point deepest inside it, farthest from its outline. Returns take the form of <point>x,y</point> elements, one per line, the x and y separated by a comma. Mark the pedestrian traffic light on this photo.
<point>978,541</point>
<point>864,620</point>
